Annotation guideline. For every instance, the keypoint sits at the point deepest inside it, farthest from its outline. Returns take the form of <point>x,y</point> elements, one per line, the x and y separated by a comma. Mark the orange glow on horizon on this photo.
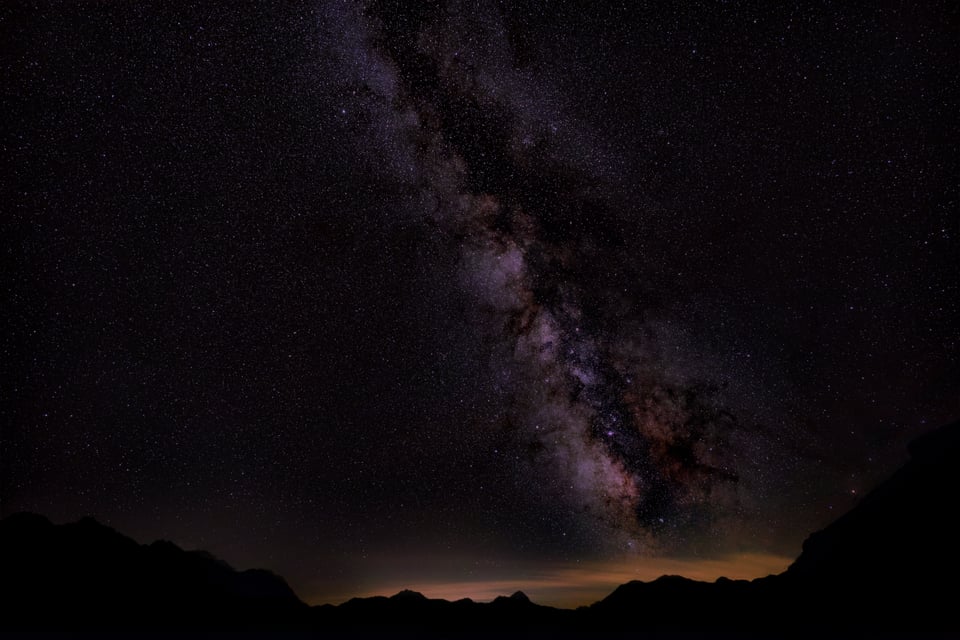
<point>576,584</point>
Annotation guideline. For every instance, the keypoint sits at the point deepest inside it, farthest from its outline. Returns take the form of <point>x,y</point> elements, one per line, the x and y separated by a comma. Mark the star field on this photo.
<point>494,285</point>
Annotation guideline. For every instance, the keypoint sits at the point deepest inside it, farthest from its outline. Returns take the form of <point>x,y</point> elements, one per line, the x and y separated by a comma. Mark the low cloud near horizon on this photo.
<point>569,585</point>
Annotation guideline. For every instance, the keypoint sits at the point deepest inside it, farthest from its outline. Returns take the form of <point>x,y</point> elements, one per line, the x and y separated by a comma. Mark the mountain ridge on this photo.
<point>887,550</point>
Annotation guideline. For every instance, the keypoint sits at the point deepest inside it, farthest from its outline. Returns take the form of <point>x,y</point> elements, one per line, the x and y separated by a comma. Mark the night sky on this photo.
<point>474,296</point>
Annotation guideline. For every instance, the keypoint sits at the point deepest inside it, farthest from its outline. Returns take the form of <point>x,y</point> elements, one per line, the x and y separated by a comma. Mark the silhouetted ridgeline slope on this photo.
<point>84,575</point>
<point>416,613</point>
<point>887,565</point>
<point>898,549</point>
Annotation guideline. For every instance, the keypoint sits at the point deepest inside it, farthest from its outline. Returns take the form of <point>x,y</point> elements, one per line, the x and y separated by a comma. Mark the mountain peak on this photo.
<point>518,598</point>
<point>672,579</point>
<point>408,595</point>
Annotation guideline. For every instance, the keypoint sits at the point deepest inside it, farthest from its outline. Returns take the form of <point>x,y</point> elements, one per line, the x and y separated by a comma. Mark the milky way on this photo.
<point>394,293</point>
<point>645,458</point>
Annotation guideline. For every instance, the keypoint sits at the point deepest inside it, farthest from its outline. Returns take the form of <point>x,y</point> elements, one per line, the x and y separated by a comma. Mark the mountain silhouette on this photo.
<point>897,549</point>
<point>415,612</point>
<point>881,566</point>
<point>84,575</point>
<point>518,597</point>
<point>885,566</point>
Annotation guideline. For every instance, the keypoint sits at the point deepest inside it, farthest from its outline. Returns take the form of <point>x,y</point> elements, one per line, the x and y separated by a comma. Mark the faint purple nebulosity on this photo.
<point>612,434</point>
